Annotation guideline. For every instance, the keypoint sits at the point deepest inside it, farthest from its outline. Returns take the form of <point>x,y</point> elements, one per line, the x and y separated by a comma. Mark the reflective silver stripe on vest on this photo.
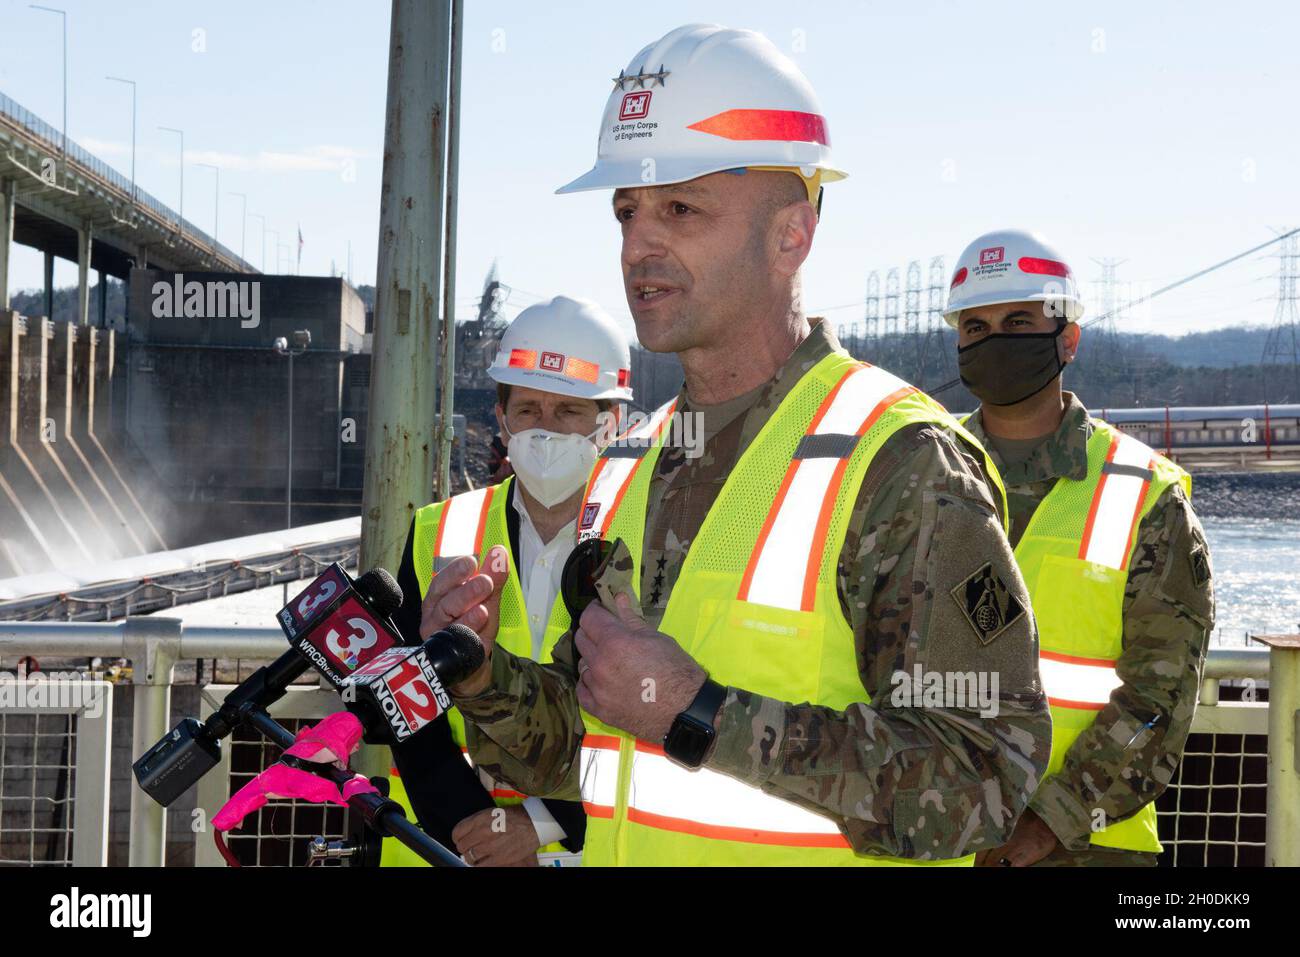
<point>462,517</point>
<point>705,803</point>
<point>1070,681</point>
<point>614,470</point>
<point>1117,502</point>
<point>783,560</point>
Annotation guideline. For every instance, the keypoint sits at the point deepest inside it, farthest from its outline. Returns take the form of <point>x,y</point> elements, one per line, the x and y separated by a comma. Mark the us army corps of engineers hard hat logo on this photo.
<point>987,603</point>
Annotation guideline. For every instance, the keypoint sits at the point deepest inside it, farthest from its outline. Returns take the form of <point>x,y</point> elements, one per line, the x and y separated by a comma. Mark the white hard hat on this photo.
<point>567,346</point>
<point>1012,265</point>
<point>704,99</point>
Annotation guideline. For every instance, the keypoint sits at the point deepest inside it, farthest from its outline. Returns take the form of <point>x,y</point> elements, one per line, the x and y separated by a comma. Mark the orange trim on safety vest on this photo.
<point>482,520</point>
<point>1137,517</point>
<point>827,510</point>
<point>1096,501</point>
<point>745,835</point>
<point>1077,659</point>
<point>1077,705</point>
<point>631,473</point>
<point>747,578</point>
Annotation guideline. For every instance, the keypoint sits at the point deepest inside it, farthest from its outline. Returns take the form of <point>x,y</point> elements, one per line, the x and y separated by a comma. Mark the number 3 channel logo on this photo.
<point>310,602</point>
<point>347,648</point>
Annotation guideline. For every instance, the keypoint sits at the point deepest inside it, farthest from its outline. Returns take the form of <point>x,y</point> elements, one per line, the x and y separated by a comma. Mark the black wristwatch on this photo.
<point>688,740</point>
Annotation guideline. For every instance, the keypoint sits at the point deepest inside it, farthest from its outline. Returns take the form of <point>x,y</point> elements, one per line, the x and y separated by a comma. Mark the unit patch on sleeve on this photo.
<point>987,603</point>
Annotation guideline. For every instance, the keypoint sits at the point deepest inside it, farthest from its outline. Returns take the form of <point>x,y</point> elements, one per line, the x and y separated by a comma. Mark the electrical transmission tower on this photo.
<point>873,310</point>
<point>1281,360</point>
<point>888,346</point>
<point>935,351</point>
<point>1105,339</point>
<point>914,342</point>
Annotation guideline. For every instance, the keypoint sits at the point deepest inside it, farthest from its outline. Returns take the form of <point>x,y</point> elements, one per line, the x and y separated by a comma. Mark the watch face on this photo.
<point>688,740</point>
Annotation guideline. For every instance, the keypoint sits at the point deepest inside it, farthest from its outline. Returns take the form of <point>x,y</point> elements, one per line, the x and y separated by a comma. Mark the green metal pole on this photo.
<point>401,429</point>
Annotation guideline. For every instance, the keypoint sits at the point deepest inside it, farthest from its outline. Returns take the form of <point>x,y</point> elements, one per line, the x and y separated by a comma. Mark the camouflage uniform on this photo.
<point>1168,617</point>
<point>921,782</point>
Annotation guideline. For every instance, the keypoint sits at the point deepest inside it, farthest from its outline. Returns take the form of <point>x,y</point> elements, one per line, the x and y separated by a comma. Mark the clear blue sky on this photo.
<point>1160,133</point>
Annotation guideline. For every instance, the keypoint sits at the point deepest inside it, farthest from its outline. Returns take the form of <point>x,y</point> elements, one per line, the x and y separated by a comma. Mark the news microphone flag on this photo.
<point>338,627</point>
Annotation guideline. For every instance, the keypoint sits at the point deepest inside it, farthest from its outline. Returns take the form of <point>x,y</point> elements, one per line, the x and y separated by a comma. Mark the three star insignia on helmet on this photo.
<point>988,605</point>
<point>639,79</point>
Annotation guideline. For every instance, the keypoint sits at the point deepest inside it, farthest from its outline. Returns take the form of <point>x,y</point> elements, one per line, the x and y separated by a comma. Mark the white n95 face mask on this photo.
<point>551,466</point>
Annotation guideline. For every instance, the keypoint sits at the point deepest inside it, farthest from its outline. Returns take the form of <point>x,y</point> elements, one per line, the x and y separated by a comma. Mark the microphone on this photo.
<point>335,625</point>
<point>402,689</point>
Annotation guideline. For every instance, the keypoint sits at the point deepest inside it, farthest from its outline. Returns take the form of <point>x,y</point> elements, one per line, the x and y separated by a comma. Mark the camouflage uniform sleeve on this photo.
<point>929,778</point>
<point>1129,754</point>
<point>525,728</point>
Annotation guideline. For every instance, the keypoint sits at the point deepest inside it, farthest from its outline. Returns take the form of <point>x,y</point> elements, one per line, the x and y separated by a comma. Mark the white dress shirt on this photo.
<point>540,567</point>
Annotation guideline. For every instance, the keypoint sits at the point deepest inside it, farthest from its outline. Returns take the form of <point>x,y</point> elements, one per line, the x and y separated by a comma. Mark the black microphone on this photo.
<point>334,625</point>
<point>338,625</point>
<point>402,690</point>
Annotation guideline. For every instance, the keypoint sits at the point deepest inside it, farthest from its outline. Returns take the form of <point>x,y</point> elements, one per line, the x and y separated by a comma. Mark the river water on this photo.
<point>1256,577</point>
<point>1256,572</point>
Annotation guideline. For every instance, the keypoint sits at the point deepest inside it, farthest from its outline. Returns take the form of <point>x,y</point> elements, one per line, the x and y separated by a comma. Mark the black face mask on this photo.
<point>1010,367</point>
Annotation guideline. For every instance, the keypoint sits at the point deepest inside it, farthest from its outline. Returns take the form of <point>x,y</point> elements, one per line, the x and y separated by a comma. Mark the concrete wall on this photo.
<point>208,402</point>
<point>70,492</point>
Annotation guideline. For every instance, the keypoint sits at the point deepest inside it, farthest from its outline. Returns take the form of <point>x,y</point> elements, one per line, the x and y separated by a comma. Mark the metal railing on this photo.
<point>1216,811</point>
<point>54,812</point>
<point>52,139</point>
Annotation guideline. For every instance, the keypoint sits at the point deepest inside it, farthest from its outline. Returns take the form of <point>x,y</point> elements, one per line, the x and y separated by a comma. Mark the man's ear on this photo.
<point>501,419</point>
<point>796,225</point>
<point>1070,340</point>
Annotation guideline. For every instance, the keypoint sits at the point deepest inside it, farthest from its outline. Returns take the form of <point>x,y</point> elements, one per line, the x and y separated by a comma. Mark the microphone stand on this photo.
<point>382,814</point>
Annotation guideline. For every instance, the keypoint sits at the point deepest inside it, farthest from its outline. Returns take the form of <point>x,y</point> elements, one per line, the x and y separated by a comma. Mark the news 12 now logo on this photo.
<point>992,255</point>
<point>635,106</point>
<point>409,694</point>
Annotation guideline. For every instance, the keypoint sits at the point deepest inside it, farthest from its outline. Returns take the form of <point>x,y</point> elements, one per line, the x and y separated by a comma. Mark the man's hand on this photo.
<point>630,675</point>
<point>498,837</point>
<point>466,594</point>
<point>1031,841</point>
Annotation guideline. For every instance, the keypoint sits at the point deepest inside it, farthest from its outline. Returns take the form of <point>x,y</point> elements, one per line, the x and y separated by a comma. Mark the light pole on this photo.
<point>263,220</point>
<point>118,79</point>
<point>64,15</point>
<point>243,226</point>
<point>216,204</point>
<point>301,342</point>
<point>181,212</point>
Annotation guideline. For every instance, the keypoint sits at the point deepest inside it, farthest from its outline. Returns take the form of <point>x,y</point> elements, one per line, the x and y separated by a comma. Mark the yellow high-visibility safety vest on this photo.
<point>1075,555</point>
<point>756,606</point>
<point>470,524</point>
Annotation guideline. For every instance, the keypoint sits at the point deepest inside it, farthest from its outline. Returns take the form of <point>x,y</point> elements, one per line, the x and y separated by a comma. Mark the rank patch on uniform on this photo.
<point>1200,566</point>
<point>987,603</point>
